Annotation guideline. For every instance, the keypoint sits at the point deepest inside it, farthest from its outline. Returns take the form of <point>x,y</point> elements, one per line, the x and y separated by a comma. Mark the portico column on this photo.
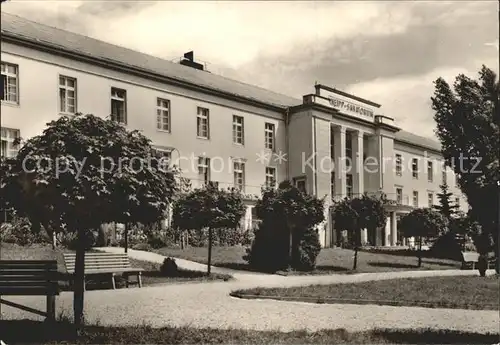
<point>357,173</point>
<point>340,163</point>
<point>394,229</point>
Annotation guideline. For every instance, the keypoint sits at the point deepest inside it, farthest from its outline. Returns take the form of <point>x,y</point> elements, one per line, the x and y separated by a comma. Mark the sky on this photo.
<point>389,52</point>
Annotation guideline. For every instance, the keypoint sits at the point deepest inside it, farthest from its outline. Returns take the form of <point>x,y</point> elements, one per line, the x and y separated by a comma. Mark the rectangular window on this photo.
<point>430,199</point>
<point>270,177</point>
<point>399,196</point>
<point>238,130</point>
<point>399,165</point>
<point>203,123</point>
<point>10,83</point>
<point>457,201</point>
<point>444,177</point>
<point>269,136</point>
<point>414,168</point>
<point>239,175</point>
<point>8,136</point>
<point>67,95</point>
<point>300,183</point>
<point>119,105</point>
<point>430,172</point>
<point>164,157</point>
<point>349,188</point>
<point>415,198</point>
<point>204,169</point>
<point>332,183</point>
<point>163,114</point>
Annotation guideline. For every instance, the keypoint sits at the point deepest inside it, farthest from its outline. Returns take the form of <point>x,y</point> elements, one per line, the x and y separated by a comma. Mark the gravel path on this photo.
<point>208,305</point>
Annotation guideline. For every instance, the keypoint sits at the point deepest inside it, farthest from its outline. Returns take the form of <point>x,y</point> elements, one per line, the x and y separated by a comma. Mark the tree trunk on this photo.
<point>420,251</point>
<point>209,250</point>
<point>355,265</point>
<point>79,281</point>
<point>290,249</point>
<point>125,230</point>
<point>54,240</point>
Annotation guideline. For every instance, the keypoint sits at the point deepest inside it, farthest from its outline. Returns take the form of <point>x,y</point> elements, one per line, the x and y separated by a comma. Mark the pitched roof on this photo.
<point>24,28</point>
<point>20,27</point>
<point>407,137</point>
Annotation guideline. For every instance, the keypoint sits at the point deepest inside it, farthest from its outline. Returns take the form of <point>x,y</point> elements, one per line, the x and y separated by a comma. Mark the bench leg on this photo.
<point>113,281</point>
<point>127,282</point>
<point>139,279</point>
<point>473,264</point>
<point>84,284</point>
<point>51,308</point>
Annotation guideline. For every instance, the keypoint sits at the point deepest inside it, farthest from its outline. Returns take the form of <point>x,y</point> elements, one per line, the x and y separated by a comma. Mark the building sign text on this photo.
<point>349,107</point>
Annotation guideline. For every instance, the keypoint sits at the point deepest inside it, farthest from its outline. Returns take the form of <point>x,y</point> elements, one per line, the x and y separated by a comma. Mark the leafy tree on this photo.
<point>468,126</point>
<point>423,223</point>
<point>83,172</point>
<point>354,215</point>
<point>208,208</point>
<point>287,235</point>
<point>446,207</point>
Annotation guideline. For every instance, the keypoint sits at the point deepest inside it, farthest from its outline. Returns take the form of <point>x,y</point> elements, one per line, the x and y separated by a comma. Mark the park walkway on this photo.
<point>209,305</point>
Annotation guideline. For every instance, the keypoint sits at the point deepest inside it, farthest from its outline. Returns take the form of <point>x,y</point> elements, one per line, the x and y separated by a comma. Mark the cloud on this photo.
<point>407,99</point>
<point>386,51</point>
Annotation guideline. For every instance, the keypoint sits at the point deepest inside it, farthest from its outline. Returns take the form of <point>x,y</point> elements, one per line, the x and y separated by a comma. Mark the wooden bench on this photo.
<point>102,264</point>
<point>30,278</point>
<point>469,259</point>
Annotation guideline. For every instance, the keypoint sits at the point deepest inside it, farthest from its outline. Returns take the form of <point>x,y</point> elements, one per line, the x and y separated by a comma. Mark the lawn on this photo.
<point>32,332</point>
<point>330,260</point>
<point>462,292</point>
<point>150,276</point>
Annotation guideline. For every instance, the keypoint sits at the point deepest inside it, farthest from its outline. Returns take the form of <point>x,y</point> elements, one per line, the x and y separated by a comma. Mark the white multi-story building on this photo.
<point>219,129</point>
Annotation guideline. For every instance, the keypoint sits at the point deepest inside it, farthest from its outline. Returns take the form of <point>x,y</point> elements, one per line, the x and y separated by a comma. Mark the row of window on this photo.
<point>204,171</point>
<point>414,168</point>
<point>430,198</point>
<point>68,106</point>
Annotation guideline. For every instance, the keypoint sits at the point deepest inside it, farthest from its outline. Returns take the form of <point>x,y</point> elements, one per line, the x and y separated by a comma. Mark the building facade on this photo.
<point>330,144</point>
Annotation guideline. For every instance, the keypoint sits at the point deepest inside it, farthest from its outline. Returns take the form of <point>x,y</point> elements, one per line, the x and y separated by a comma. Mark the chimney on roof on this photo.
<point>188,60</point>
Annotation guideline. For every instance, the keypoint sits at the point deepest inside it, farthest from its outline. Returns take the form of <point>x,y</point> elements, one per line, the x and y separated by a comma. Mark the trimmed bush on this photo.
<point>288,217</point>
<point>20,231</point>
<point>169,268</point>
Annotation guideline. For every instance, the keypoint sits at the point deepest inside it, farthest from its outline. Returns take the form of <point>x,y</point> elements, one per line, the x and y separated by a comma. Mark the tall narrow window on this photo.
<point>444,176</point>
<point>67,95</point>
<point>349,188</point>
<point>163,114</point>
<point>348,149</point>
<point>119,105</point>
<point>202,123</point>
<point>10,83</point>
<point>269,135</point>
<point>300,183</point>
<point>415,198</point>
<point>399,196</point>
<point>430,199</point>
<point>239,175</point>
<point>238,130</point>
<point>204,169</point>
<point>270,177</point>
<point>399,165</point>
<point>457,201</point>
<point>8,136</point>
<point>430,172</point>
<point>414,168</point>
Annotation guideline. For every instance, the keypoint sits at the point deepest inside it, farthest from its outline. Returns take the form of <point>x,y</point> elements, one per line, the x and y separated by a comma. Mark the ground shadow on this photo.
<point>391,265</point>
<point>440,263</point>
<point>329,268</point>
<point>62,332</point>
<point>238,267</point>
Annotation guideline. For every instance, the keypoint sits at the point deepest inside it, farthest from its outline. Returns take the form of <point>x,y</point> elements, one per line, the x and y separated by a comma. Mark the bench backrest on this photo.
<point>28,277</point>
<point>470,256</point>
<point>97,261</point>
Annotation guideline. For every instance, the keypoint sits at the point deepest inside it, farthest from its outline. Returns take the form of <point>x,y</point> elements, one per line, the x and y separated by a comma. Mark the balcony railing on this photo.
<point>392,198</point>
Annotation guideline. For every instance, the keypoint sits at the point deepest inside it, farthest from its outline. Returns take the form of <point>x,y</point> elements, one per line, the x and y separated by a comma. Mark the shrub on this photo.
<point>169,268</point>
<point>142,246</point>
<point>283,212</point>
<point>69,240</point>
<point>19,231</point>
<point>447,247</point>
